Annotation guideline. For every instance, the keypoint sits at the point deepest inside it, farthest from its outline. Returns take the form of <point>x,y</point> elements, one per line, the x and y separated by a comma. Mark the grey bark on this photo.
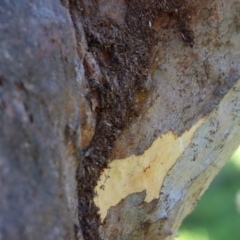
<point>38,88</point>
<point>86,83</point>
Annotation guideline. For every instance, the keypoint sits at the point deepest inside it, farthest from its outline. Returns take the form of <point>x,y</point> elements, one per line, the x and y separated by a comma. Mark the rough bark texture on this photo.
<point>39,101</point>
<point>147,88</point>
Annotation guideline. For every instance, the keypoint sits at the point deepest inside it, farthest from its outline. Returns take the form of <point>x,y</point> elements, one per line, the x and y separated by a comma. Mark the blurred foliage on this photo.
<point>216,216</point>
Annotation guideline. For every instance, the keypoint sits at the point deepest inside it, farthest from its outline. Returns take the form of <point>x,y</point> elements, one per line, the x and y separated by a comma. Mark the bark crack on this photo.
<point>116,68</point>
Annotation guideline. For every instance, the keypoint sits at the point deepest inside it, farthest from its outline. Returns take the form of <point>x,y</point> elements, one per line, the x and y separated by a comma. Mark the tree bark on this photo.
<point>115,115</point>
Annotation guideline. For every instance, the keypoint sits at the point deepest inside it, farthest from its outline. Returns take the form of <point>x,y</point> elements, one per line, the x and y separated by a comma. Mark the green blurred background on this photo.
<point>217,215</point>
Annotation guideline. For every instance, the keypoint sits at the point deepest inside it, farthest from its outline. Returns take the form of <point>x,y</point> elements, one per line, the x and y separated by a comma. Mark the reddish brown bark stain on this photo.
<point>120,37</point>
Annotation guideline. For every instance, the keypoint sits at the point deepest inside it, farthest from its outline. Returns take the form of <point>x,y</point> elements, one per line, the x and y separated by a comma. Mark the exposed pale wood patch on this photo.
<point>137,173</point>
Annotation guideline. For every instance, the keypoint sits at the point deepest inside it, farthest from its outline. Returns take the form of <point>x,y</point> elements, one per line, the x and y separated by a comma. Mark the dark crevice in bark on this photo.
<point>116,67</point>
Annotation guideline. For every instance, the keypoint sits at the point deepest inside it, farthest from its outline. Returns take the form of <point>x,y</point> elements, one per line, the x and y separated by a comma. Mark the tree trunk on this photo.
<point>134,104</point>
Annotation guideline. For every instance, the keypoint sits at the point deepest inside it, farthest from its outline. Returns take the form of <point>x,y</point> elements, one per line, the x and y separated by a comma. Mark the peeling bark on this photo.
<point>137,99</point>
